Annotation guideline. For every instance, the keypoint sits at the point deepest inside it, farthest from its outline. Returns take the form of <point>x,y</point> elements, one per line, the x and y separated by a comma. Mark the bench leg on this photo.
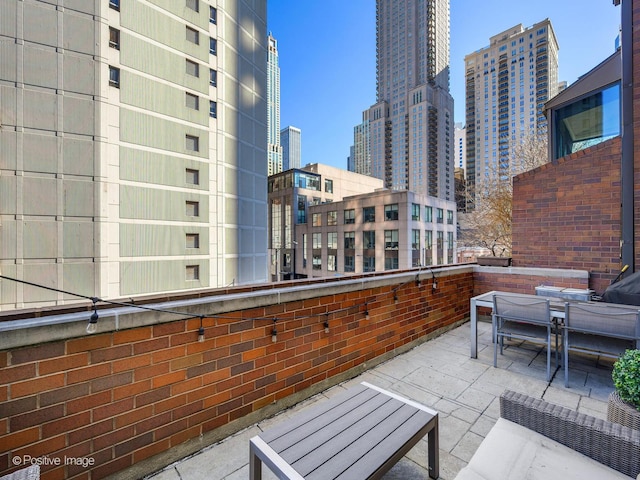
<point>434,450</point>
<point>255,464</point>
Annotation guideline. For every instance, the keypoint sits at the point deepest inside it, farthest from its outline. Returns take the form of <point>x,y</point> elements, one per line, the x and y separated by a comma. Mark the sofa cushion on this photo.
<point>513,452</point>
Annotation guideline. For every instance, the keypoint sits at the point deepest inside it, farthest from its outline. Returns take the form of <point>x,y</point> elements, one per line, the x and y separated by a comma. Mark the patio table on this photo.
<point>360,433</point>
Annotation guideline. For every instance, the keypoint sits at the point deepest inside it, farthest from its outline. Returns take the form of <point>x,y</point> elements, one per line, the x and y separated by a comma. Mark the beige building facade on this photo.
<point>132,147</point>
<point>325,221</point>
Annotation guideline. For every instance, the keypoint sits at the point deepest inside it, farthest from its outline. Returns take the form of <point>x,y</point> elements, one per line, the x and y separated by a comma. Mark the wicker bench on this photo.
<point>535,439</point>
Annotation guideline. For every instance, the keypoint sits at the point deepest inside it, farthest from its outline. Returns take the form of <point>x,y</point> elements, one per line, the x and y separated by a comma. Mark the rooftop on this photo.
<point>441,375</point>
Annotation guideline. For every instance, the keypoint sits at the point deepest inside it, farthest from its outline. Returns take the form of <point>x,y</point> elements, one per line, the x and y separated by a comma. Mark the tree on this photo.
<point>488,223</point>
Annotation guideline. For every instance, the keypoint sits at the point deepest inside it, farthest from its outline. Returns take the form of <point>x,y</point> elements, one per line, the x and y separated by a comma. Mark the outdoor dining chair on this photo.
<point>599,329</point>
<point>525,318</point>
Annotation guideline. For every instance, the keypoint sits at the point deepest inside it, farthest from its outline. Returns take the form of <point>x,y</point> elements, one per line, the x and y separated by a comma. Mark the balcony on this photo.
<point>440,374</point>
<point>195,375</point>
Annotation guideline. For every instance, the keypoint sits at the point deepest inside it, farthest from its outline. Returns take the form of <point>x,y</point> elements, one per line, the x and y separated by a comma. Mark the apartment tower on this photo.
<point>273,109</point>
<point>291,141</point>
<point>411,124</point>
<point>132,136</point>
<point>507,85</point>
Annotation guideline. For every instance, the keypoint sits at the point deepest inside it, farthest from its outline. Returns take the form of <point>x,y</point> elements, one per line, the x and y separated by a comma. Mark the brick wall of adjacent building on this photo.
<point>121,397</point>
<point>568,214</point>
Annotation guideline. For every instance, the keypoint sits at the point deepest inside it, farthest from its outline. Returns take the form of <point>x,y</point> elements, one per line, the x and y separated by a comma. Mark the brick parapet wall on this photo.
<point>121,397</point>
<point>568,213</point>
<point>134,399</point>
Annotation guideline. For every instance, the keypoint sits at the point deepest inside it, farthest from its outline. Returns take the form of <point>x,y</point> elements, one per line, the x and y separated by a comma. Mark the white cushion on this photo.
<point>513,452</point>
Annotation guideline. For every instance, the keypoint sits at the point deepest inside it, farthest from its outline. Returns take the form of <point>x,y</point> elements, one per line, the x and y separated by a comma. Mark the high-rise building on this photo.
<point>411,124</point>
<point>461,145</point>
<point>291,141</point>
<point>125,168</point>
<point>507,85</point>
<point>361,146</point>
<point>273,109</point>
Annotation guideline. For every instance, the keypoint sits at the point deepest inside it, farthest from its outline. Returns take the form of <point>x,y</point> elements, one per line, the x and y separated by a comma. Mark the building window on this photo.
<point>213,46</point>
<point>350,216</point>
<point>415,211</point>
<point>213,15</point>
<point>391,212</point>
<point>115,4</point>
<point>192,143</point>
<point>415,248</point>
<point>449,217</point>
<point>415,239</point>
<point>192,208</point>
<point>114,77</point>
<point>332,217</point>
<point>391,263</point>
<point>428,214</point>
<point>193,68</point>
<point>213,109</point>
<point>213,77</point>
<point>391,239</point>
<point>316,220</point>
<point>586,122</point>
<point>349,240</point>
<point>332,240</point>
<point>428,247</point>
<point>192,101</point>
<point>368,263</point>
<point>332,263</point>
<point>440,215</point>
<point>192,176</point>
<point>193,240</point>
<point>302,209</point>
<point>369,240</point>
<point>317,262</point>
<point>193,5</point>
<point>193,36</point>
<point>114,38</point>
<point>192,272</point>
<point>328,185</point>
<point>316,241</point>
<point>349,263</point>
<point>369,214</point>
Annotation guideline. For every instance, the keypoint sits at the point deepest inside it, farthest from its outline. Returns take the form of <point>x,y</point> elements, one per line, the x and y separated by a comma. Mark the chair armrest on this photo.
<point>611,444</point>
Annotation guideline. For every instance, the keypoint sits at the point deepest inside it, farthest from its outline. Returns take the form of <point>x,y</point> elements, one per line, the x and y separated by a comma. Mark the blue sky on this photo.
<point>328,57</point>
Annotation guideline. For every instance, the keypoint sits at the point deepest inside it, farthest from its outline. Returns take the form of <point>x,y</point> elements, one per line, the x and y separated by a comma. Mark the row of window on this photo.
<point>391,240</point>
<point>369,262</point>
<point>390,214</point>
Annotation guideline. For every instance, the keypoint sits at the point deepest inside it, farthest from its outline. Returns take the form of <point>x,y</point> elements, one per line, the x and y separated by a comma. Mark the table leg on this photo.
<point>255,464</point>
<point>434,450</point>
<point>474,330</point>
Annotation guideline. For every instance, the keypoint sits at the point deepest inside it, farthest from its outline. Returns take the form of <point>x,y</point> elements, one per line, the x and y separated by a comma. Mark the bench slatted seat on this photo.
<point>360,433</point>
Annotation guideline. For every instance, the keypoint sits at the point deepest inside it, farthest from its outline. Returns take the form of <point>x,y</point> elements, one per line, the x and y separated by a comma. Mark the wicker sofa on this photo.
<point>535,439</point>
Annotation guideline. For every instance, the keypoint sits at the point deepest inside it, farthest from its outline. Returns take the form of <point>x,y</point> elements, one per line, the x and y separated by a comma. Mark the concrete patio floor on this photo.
<point>441,375</point>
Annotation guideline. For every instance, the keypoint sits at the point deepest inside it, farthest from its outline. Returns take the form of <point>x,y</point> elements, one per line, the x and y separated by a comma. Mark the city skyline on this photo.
<point>339,63</point>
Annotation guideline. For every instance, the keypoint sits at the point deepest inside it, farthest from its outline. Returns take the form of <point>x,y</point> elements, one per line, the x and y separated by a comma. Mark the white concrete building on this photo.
<point>132,147</point>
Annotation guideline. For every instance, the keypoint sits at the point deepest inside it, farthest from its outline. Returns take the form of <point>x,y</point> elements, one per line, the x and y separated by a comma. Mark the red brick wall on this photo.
<point>567,214</point>
<point>496,279</point>
<point>121,397</point>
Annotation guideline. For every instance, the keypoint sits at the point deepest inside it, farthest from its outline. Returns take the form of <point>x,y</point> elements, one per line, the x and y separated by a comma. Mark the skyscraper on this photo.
<point>274,148</point>
<point>124,166</point>
<point>411,124</point>
<point>291,141</point>
<point>507,85</point>
<point>361,156</point>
